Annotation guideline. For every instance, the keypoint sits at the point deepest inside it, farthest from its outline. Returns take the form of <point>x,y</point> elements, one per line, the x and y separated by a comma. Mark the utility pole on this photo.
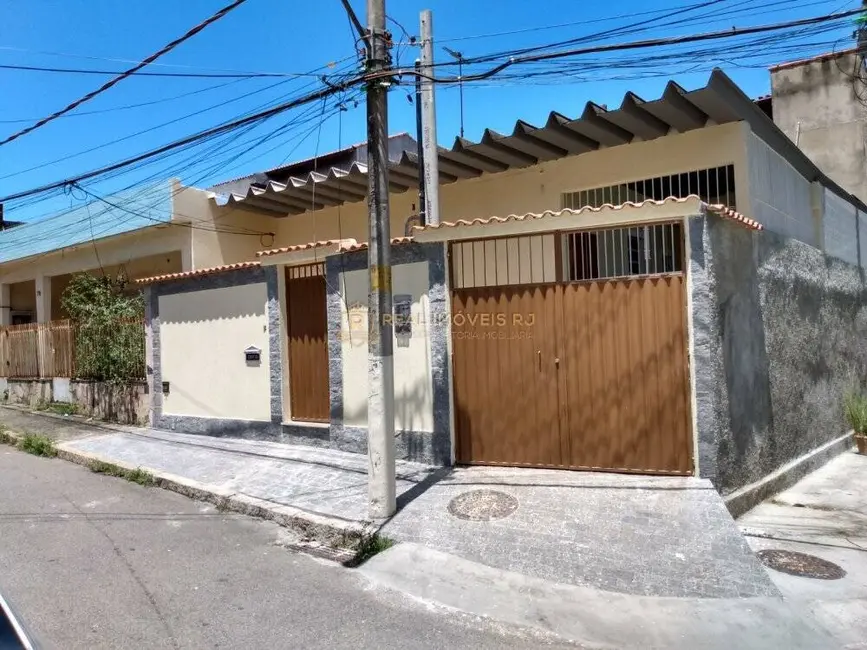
<point>380,399</point>
<point>429,120</point>
<point>419,136</point>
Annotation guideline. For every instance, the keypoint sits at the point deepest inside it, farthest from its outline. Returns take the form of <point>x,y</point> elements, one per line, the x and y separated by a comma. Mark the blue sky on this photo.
<point>286,36</point>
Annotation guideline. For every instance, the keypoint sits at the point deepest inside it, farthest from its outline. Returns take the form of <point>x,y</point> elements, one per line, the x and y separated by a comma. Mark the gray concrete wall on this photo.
<point>780,334</point>
<point>817,106</point>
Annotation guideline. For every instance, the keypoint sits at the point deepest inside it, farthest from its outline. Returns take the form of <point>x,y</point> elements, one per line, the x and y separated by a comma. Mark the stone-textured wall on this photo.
<point>29,392</point>
<point>123,403</point>
<point>780,334</point>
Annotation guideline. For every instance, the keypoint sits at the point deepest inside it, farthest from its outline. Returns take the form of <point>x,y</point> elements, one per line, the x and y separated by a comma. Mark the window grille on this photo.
<point>623,252</point>
<point>713,185</point>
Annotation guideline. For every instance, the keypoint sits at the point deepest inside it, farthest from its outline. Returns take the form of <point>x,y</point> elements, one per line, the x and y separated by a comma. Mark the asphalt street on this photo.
<point>89,561</point>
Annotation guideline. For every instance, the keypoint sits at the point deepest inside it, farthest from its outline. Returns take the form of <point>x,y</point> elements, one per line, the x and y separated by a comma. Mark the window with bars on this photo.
<point>623,252</point>
<point>713,185</point>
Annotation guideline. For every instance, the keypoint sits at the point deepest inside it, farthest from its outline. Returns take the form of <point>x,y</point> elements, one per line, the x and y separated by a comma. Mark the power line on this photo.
<point>131,106</point>
<point>228,126</point>
<point>108,84</point>
<point>632,45</point>
<point>119,60</point>
<point>531,58</point>
<point>185,75</point>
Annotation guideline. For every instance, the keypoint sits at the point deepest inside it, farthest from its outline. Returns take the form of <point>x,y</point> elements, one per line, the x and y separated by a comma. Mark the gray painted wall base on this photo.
<point>417,446</point>
<point>751,495</point>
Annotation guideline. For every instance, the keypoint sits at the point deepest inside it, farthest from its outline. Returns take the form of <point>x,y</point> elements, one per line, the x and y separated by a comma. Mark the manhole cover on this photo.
<point>483,505</point>
<point>800,564</point>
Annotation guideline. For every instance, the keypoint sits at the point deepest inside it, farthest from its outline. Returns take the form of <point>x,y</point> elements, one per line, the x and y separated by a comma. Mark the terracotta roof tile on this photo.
<point>341,246</point>
<point>827,56</point>
<point>197,273</point>
<point>719,209</point>
<point>728,213</point>
<point>325,243</point>
<point>397,241</point>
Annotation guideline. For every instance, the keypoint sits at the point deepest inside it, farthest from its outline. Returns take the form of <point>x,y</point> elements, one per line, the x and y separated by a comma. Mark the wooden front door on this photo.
<point>307,325</point>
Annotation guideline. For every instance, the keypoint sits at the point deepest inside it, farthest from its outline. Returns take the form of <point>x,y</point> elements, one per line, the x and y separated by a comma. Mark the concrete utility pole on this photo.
<point>429,121</point>
<point>419,134</point>
<point>380,400</point>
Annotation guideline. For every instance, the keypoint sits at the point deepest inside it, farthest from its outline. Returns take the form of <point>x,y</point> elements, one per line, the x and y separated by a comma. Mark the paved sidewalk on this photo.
<point>651,536</point>
<point>824,515</point>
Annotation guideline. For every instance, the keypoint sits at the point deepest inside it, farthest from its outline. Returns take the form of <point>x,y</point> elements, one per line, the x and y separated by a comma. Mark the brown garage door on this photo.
<point>308,343</point>
<point>590,374</point>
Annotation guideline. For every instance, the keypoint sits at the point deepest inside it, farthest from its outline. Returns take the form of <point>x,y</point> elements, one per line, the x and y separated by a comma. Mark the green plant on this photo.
<point>855,411</point>
<point>5,438</point>
<point>109,335</point>
<point>369,546</point>
<point>137,475</point>
<point>37,444</point>
<point>62,408</point>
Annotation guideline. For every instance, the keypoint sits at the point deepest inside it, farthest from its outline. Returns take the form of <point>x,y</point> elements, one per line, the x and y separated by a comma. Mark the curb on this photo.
<point>312,528</point>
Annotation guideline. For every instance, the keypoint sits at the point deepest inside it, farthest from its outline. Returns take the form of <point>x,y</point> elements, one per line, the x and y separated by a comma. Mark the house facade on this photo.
<point>671,287</point>
<point>137,233</point>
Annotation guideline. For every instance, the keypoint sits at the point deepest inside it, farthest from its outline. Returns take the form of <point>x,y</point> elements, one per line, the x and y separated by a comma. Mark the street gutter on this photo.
<point>324,535</point>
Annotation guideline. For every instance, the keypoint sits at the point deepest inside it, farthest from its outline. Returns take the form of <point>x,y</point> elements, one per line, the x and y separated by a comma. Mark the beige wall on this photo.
<point>413,387</point>
<point>215,232</point>
<point>138,268</point>
<point>203,335</point>
<point>123,249</point>
<point>540,187</point>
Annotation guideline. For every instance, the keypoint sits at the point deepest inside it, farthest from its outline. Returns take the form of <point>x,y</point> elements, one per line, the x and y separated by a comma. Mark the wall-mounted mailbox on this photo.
<point>253,355</point>
<point>403,315</point>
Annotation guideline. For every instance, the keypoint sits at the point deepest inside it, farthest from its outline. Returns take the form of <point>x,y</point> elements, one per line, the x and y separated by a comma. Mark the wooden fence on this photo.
<point>46,350</point>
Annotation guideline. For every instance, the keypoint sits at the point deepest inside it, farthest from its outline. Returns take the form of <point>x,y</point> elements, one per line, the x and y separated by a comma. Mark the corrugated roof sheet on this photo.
<point>720,101</point>
<point>722,210</point>
<point>138,208</point>
<point>819,58</point>
<point>197,273</point>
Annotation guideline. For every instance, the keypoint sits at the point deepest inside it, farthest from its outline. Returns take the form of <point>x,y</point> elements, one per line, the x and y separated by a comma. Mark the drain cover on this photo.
<point>800,564</point>
<point>483,505</point>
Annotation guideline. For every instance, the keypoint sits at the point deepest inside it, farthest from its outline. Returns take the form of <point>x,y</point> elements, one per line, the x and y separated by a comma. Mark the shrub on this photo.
<point>855,410</point>
<point>38,445</point>
<point>109,334</point>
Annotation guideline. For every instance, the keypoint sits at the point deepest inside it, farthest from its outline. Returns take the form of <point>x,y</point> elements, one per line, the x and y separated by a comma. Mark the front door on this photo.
<point>307,325</point>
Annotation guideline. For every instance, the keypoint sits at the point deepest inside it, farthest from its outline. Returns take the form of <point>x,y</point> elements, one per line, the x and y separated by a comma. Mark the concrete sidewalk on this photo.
<point>608,560</point>
<point>824,515</point>
<point>577,528</point>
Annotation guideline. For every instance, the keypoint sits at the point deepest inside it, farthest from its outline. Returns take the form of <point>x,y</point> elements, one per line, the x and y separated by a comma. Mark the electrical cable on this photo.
<point>112,82</point>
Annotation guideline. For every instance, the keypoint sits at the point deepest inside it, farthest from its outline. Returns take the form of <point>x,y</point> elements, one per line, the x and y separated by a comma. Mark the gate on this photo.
<point>307,325</point>
<point>589,372</point>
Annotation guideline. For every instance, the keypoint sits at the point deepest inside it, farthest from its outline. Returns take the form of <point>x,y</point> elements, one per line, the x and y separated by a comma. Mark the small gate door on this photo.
<point>505,381</point>
<point>307,324</point>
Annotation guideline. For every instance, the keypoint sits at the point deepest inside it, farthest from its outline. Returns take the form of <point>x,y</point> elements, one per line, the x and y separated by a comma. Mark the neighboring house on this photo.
<point>821,104</point>
<point>595,298</point>
<point>141,232</point>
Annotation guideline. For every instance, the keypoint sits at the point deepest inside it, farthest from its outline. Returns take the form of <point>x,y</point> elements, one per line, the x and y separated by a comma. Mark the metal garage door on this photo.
<point>582,362</point>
